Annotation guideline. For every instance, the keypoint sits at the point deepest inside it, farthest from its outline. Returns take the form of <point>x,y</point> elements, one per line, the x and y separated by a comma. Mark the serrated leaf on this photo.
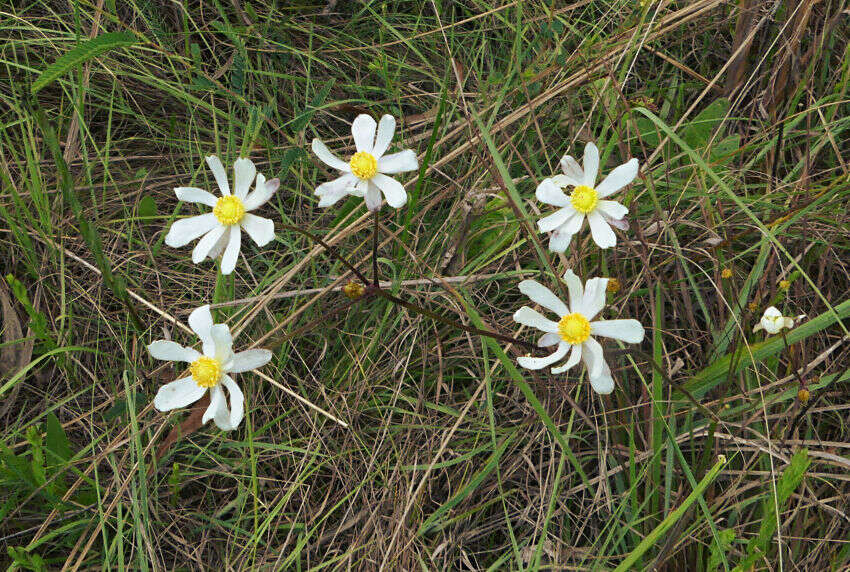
<point>81,54</point>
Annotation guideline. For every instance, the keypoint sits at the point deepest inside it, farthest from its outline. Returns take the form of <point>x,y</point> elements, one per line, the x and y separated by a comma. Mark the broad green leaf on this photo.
<point>147,207</point>
<point>57,441</point>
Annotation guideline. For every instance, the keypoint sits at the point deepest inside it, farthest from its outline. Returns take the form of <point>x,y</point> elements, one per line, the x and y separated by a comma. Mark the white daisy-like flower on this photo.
<point>574,330</point>
<point>210,369</point>
<point>365,174</point>
<point>587,200</point>
<point>773,321</point>
<point>222,228</point>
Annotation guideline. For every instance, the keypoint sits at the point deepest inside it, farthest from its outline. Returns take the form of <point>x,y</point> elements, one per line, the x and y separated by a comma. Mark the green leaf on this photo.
<point>698,132</point>
<point>57,441</point>
<point>671,519</point>
<point>147,207</point>
<point>82,53</point>
<point>791,478</point>
<point>473,484</point>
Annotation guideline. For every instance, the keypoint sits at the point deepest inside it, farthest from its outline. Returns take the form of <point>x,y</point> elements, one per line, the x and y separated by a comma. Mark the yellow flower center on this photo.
<point>205,371</point>
<point>229,210</point>
<point>364,165</point>
<point>574,328</point>
<point>584,199</point>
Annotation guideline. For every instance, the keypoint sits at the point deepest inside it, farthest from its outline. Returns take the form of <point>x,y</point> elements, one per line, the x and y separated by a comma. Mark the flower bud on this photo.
<point>353,290</point>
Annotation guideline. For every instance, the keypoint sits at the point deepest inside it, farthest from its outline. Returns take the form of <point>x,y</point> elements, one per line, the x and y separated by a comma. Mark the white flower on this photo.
<point>574,329</point>
<point>586,200</point>
<point>209,370</point>
<point>365,174</point>
<point>773,321</point>
<point>222,228</point>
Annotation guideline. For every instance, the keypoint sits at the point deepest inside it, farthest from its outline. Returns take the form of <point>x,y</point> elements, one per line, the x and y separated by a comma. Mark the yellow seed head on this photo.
<point>353,290</point>
<point>584,199</point>
<point>205,371</point>
<point>613,286</point>
<point>726,273</point>
<point>229,210</point>
<point>803,395</point>
<point>753,306</point>
<point>364,165</point>
<point>784,284</point>
<point>574,328</point>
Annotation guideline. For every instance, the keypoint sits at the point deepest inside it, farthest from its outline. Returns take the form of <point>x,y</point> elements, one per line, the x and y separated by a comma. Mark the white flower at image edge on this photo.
<point>587,200</point>
<point>365,174</point>
<point>210,370</point>
<point>574,330</point>
<point>773,321</point>
<point>222,228</point>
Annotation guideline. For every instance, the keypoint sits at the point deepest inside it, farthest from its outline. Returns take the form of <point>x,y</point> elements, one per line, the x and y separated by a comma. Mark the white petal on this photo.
<point>612,209</point>
<point>400,162</point>
<point>591,164</point>
<point>757,327</point>
<point>591,352</point>
<point>618,178</point>
<point>218,405</point>
<point>201,321</point>
<point>788,323</point>
<point>372,196</point>
<point>575,357</point>
<point>547,340</point>
<point>551,194</point>
<point>195,195</point>
<point>620,223</point>
<point>219,173</point>
<point>339,184</point>
<point>386,130</point>
<point>261,194</point>
<point>223,344</point>
<point>237,406</point>
<point>185,230</point>
<point>249,359</point>
<point>332,191</point>
<point>572,169</point>
<point>231,252</point>
<point>363,129</point>
<point>216,250</point>
<point>556,219</point>
<point>540,294</point>
<point>601,231</point>
<point>530,317</point>
<point>324,154</point>
<point>559,241</point>
<point>245,172</point>
<point>603,384</point>
<point>172,351</point>
<point>178,393</point>
<point>576,291</point>
<point>594,297</point>
<point>360,188</point>
<point>261,230</point>
<point>541,362</point>
<point>563,181</point>
<point>393,190</point>
<point>772,312</point>
<point>573,224</point>
<point>206,244</point>
<point>629,331</point>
